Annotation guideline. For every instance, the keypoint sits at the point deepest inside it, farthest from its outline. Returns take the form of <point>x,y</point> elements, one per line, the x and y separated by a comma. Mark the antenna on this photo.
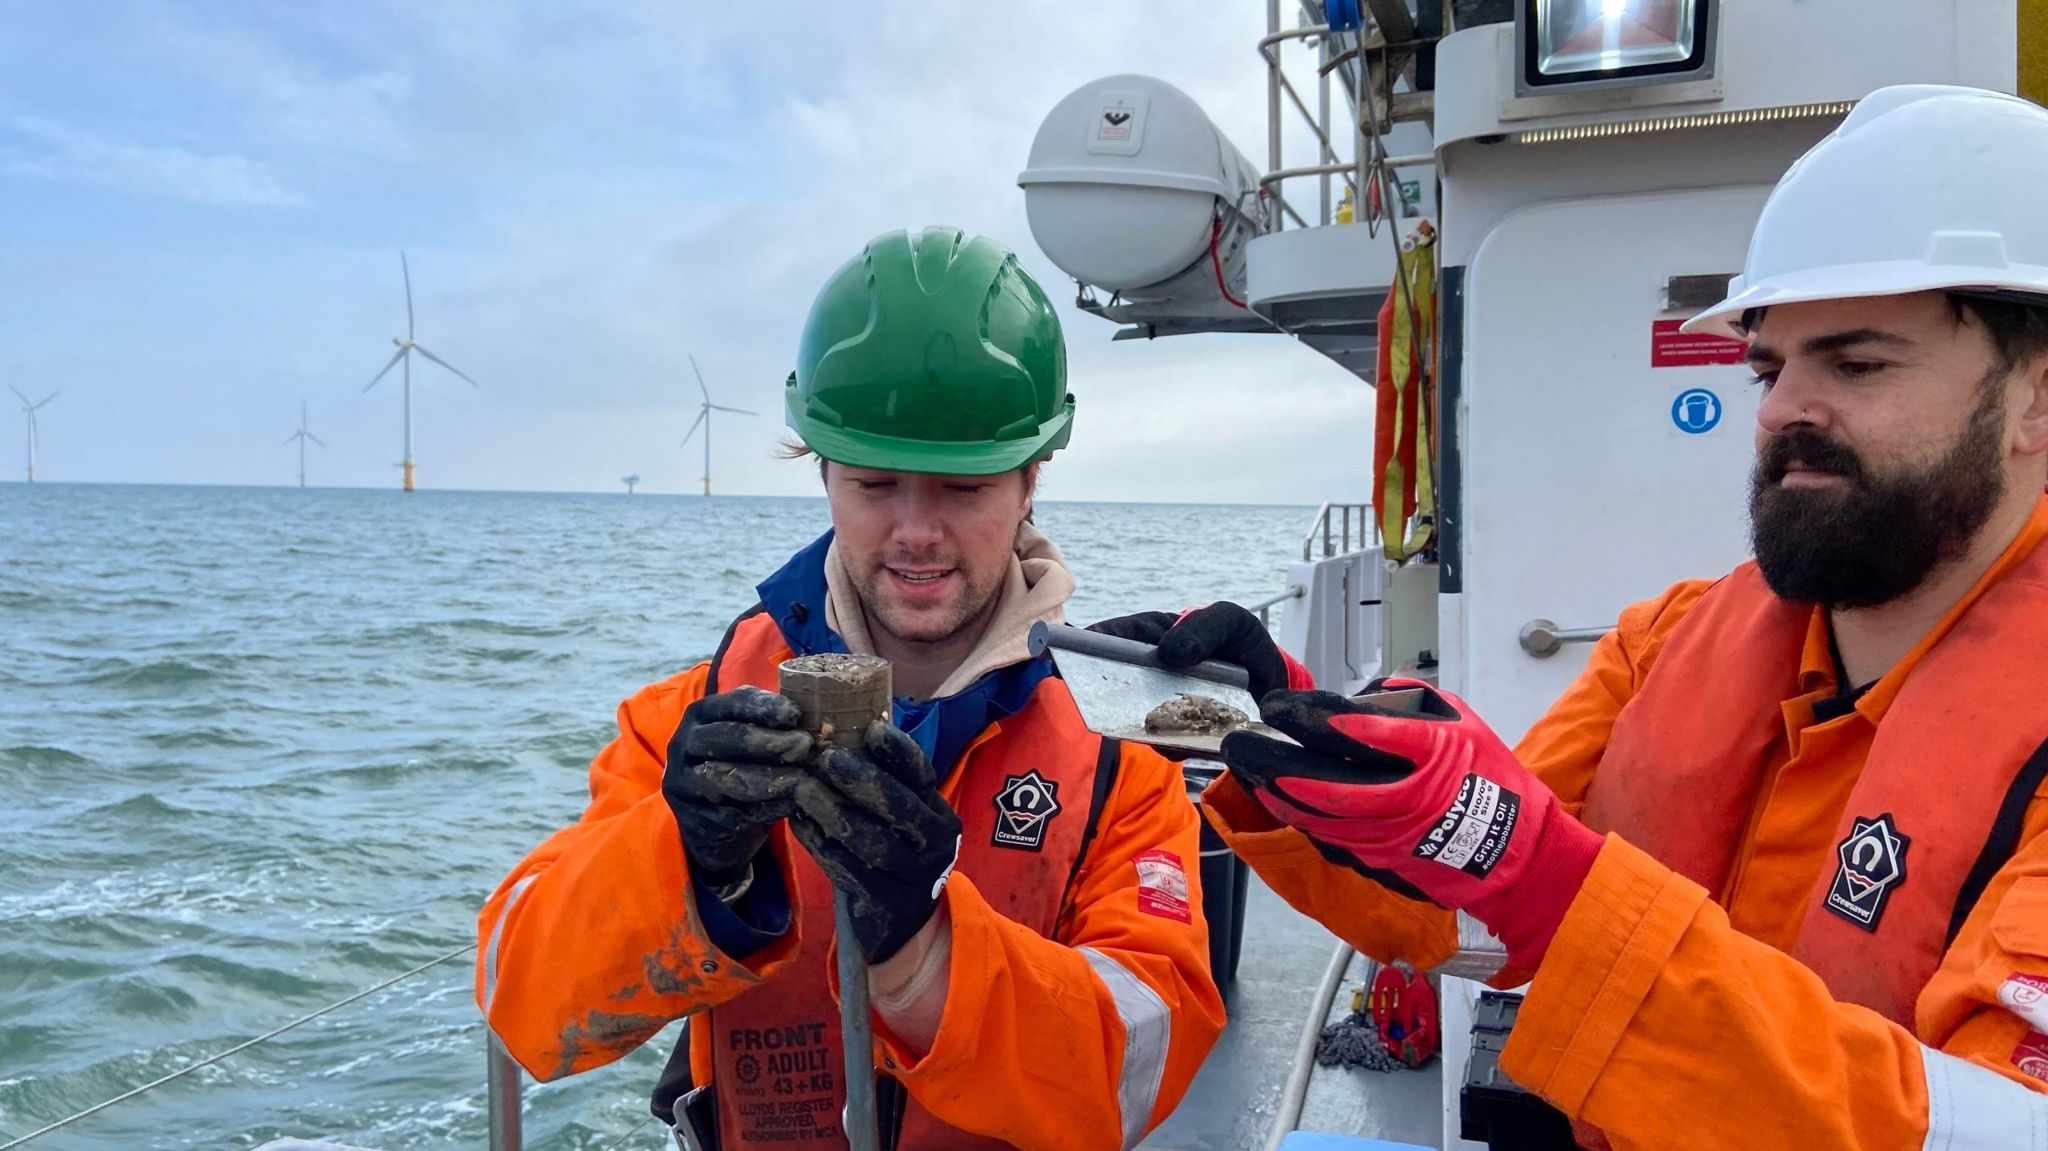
<point>303,435</point>
<point>704,420</point>
<point>407,345</point>
<point>30,409</point>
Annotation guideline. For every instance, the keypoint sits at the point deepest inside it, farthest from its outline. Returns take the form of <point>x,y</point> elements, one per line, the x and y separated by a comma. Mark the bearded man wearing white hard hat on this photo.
<point>1777,863</point>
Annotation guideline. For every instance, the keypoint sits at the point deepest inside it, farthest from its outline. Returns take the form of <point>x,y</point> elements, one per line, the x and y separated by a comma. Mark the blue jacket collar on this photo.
<point>794,597</point>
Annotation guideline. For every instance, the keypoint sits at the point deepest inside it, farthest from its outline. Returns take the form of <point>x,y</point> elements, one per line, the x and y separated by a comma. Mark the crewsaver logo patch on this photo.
<point>1473,833</point>
<point>1023,807</point>
<point>1873,863</point>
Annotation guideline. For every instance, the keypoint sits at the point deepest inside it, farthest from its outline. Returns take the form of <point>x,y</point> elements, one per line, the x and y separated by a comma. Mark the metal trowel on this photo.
<point>1117,682</point>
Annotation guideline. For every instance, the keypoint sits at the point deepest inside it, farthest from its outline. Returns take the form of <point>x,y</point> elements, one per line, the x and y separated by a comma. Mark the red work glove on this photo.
<point>1431,795</point>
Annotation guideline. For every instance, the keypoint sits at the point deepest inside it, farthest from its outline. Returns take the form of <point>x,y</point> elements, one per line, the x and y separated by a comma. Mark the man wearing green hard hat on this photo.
<point>1025,892</point>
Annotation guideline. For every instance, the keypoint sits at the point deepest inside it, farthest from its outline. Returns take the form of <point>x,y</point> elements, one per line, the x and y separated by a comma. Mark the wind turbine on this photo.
<point>704,420</point>
<point>631,482</point>
<point>31,410</point>
<point>302,435</point>
<point>406,347</point>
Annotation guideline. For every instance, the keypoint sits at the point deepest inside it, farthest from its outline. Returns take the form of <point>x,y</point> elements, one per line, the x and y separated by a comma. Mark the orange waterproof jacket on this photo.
<point>1074,1018</point>
<point>1714,983</point>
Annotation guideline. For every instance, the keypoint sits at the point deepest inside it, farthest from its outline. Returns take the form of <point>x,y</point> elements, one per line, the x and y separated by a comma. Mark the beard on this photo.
<point>1873,538</point>
<point>973,592</point>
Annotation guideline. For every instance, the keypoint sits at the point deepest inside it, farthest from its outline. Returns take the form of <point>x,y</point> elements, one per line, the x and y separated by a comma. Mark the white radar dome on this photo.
<point>1124,184</point>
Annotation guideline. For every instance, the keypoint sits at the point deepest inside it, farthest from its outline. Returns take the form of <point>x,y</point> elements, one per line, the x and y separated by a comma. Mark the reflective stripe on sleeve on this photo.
<point>491,949</point>
<point>1972,1109</point>
<point>1148,1027</point>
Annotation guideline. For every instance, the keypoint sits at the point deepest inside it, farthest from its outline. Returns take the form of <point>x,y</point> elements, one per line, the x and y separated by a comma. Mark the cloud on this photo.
<point>590,199</point>
<point>282,97</point>
<point>51,150</point>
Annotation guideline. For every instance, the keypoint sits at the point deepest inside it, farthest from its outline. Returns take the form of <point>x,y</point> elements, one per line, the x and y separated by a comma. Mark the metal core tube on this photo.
<point>839,695</point>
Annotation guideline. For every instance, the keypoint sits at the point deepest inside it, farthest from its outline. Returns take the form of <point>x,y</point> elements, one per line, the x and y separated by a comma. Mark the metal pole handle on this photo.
<point>1119,650</point>
<point>503,1082</point>
<point>859,1121</point>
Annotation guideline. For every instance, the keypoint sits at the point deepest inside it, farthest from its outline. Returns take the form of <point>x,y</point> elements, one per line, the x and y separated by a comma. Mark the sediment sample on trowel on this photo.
<point>1194,715</point>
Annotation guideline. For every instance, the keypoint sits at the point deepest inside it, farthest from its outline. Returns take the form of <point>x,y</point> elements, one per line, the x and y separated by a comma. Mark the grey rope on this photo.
<point>615,1144</point>
<point>1353,1041</point>
<point>239,1047</point>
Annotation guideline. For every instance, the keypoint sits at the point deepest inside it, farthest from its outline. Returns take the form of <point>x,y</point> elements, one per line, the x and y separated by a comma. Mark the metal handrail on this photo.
<point>1275,177</point>
<point>1336,540</point>
<point>504,1084</point>
<point>1264,608</point>
<point>1277,86</point>
<point>1338,49</point>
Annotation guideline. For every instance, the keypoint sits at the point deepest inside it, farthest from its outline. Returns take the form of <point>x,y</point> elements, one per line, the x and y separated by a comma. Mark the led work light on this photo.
<point>1568,45</point>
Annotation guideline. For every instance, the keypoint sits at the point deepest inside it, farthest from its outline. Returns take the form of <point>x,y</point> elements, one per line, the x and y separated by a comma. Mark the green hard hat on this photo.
<point>932,352</point>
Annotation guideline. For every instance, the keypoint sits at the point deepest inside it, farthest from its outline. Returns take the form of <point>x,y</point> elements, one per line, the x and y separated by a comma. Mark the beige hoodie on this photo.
<point>909,988</point>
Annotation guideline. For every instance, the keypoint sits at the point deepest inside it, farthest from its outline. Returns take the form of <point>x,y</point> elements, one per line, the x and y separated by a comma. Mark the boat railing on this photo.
<point>1332,531</point>
<point>1264,608</point>
<point>504,1092</point>
<point>1341,57</point>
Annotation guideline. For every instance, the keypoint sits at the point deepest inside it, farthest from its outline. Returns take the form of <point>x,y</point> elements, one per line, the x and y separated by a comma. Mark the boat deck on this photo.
<point>1234,1097</point>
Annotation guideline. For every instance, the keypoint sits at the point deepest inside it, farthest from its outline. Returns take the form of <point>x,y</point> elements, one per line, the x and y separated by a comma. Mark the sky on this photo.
<point>202,208</point>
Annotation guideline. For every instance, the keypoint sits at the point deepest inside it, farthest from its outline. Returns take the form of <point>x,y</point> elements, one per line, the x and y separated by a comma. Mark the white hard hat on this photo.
<point>1923,187</point>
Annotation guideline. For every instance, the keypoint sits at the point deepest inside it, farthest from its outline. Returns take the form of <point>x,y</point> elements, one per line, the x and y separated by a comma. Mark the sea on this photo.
<point>264,748</point>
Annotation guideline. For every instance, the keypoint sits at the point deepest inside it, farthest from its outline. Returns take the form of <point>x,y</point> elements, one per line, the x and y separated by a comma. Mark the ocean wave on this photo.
<point>450,762</point>
<point>152,603</point>
<point>41,968</point>
<point>41,759</point>
<point>206,737</point>
<point>368,926</point>
<point>469,627</point>
<point>104,903</point>
<point>258,980</point>
<point>143,998</point>
<point>142,808</point>
<point>528,630</point>
<point>569,748</point>
<point>174,674</point>
<point>12,599</point>
<point>501,654</point>
<point>53,1092</point>
<point>72,928</point>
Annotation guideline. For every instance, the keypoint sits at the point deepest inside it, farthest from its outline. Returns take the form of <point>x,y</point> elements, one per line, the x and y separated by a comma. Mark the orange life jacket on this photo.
<point>1934,814</point>
<point>1028,790</point>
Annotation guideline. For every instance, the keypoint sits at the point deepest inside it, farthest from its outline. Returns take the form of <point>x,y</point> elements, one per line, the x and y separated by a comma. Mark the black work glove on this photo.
<point>874,821</point>
<point>1323,752</point>
<point>1224,631</point>
<point>733,769</point>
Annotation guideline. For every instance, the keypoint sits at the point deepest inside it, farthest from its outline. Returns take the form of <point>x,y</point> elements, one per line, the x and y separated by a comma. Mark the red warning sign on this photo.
<point>2031,1056</point>
<point>1671,348</point>
<point>1163,886</point>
